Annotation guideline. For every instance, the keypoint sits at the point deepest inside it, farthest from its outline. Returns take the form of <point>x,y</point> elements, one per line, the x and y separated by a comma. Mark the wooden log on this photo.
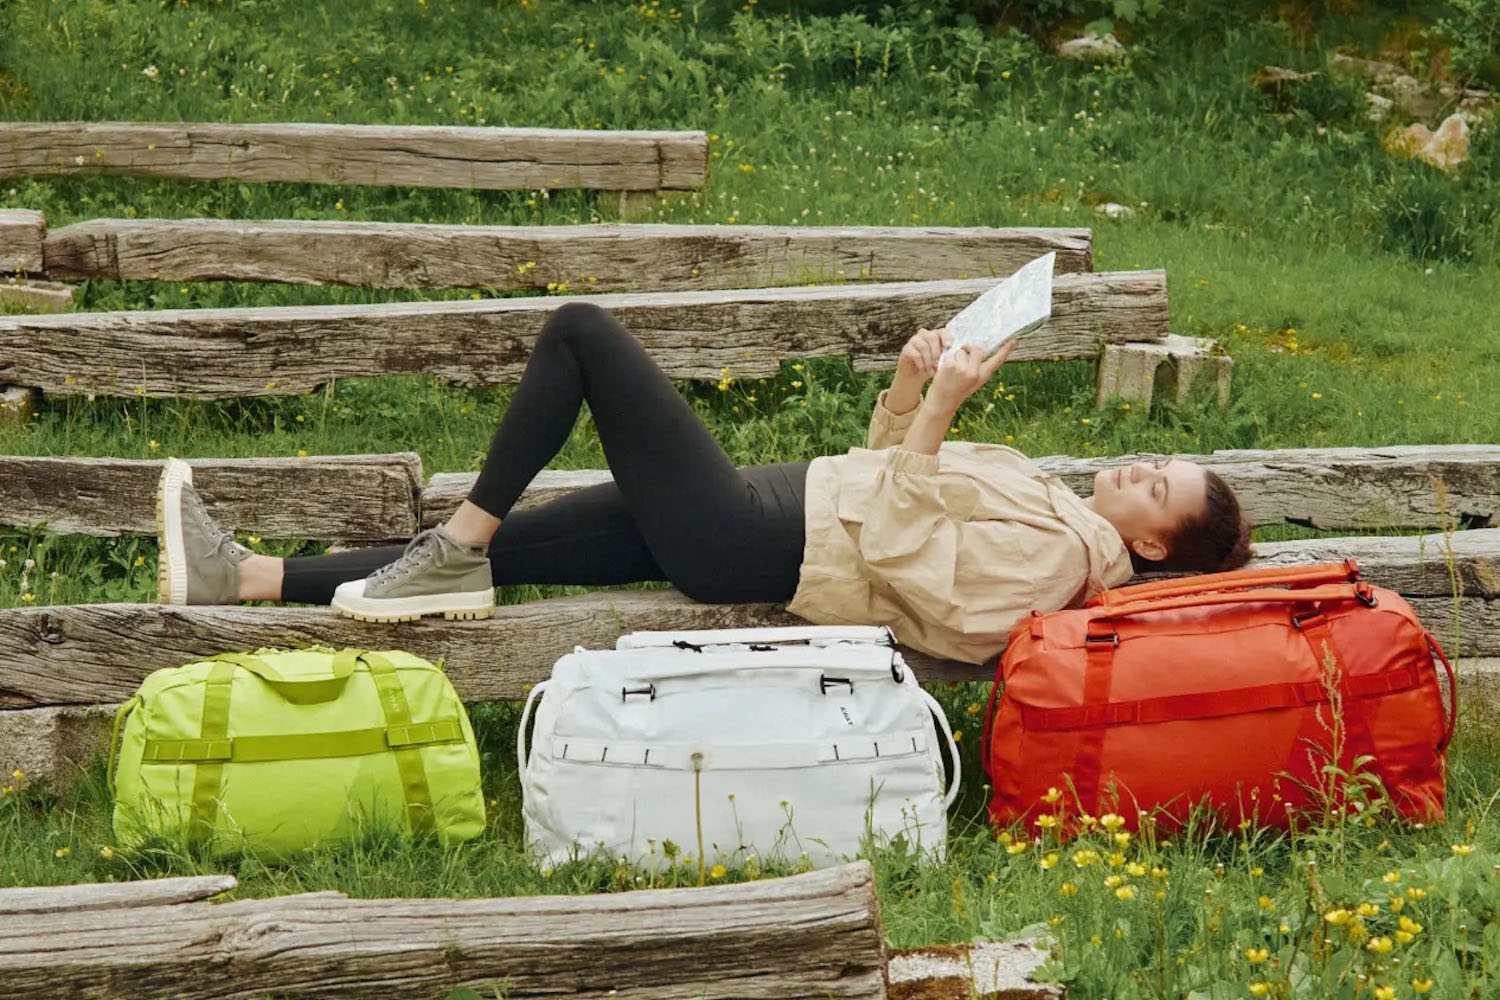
<point>602,258</point>
<point>96,653</point>
<point>385,155</point>
<point>291,350</point>
<point>344,497</point>
<point>21,240</point>
<point>93,896</point>
<point>816,935</point>
<point>1333,489</point>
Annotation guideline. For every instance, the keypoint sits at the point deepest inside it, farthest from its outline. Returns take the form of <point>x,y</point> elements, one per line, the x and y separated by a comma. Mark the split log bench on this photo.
<point>596,259</point>
<point>371,498</point>
<point>796,938</point>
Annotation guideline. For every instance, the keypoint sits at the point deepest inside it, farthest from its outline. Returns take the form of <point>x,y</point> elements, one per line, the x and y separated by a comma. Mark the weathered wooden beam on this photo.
<point>98,653</point>
<point>93,896</point>
<point>603,258</point>
<point>1131,371</point>
<point>813,935</point>
<point>291,350</point>
<point>1333,489</point>
<point>342,497</point>
<point>21,240</point>
<point>385,155</point>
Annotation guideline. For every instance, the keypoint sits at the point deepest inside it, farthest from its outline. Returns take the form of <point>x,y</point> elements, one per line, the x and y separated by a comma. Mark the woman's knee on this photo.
<point>581,325</point>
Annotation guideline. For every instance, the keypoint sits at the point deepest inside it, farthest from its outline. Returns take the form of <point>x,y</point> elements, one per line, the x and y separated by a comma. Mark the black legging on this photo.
<point>678,509</point>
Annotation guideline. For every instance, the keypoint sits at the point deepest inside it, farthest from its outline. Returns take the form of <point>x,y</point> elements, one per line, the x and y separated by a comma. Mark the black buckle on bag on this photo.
<point>1365,594</point>
<point>825,682</point>
<point>649,690</point>
<point>1305,616</point>
<point>1113,639</point>
<point>684,644</point>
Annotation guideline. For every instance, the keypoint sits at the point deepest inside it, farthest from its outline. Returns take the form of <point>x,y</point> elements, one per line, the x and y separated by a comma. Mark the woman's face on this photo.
<point>1147,500</point>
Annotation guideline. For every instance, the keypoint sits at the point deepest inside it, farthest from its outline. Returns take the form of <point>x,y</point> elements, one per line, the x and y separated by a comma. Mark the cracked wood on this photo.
<point>291,350</point>
<point>816,935</point>
<point>590,258</point>
<point>341,497</point>
<point>387,155</point>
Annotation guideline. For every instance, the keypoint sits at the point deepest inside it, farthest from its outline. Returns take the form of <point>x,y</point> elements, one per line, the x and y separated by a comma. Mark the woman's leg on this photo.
<point>587,538</point>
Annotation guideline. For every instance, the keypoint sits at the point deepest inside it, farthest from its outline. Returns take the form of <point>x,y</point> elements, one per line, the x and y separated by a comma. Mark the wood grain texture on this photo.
<point>97,653</point>
<point>386,155</point>
<point>809,936</point>
<point>343,497</point>
<point>1334,489</point>
<point>22,232</point>
<point>602,258</point>
<point>291,350</point>
<point>113,895</point>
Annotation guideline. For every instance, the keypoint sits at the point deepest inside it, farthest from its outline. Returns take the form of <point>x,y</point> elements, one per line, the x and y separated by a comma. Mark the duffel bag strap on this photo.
<point>1437,650</point>
<point>397,714</point>
<point>942,723</point>
<point>1097,678</point>
<point>114,741</point>
<point>208,777</point>
<point>1240,579</point>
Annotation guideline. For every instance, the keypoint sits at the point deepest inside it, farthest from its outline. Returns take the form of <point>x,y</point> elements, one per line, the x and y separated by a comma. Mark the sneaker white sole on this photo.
<point>463,606</point>
<point>171,555</point>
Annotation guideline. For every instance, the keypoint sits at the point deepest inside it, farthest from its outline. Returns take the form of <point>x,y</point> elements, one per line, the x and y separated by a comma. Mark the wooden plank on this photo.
<point>603,258</point>
<point>291,350</point>
<point>811,935</point>
<point>339,497</point>
<point>113,895</point>
<point>89,654</point>
<point>22,232</point>
<point>1333,489</point>
<point>386,155</point>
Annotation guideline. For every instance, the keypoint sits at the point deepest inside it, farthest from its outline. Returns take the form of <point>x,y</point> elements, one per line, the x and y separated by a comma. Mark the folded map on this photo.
<point>1017,305</point>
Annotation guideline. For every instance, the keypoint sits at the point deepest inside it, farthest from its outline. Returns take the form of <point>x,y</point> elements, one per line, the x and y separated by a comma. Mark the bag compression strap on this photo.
<point>397,717</point>
<point>209,777</point>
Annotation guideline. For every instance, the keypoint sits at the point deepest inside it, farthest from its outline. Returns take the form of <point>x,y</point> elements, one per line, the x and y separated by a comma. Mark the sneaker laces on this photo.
<point>223,539</point>
<point>414,555</point>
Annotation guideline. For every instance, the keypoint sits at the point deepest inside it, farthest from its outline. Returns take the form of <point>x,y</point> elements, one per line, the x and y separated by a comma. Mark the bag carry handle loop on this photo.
<point>299,690</point>
<point>114,742</point>
<point>1275,576</point>
<point>1361,592</point>
<point>1437,650</point>
<point>521,760</point>
<point>942,719</point>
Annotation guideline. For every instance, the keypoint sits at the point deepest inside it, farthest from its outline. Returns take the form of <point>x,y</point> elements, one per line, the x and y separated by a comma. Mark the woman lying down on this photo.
<point>947,542</point>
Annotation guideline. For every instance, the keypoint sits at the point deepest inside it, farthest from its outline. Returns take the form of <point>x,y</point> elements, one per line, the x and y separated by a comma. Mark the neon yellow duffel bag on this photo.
<point>277,751</point>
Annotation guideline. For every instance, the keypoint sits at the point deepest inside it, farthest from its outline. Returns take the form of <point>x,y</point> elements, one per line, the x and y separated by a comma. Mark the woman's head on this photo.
<point>1173,515</point>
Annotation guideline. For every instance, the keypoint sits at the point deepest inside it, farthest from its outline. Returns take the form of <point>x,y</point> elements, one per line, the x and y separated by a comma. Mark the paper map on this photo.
<point>1017,305</point>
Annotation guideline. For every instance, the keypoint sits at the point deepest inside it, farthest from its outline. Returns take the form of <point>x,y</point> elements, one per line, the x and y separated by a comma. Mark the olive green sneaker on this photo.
<point>436,575</point>
<point>197,561</point>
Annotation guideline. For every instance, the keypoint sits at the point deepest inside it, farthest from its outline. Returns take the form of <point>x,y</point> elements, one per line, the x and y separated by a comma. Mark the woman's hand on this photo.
<point>916,364</point>
<point>963,374</point>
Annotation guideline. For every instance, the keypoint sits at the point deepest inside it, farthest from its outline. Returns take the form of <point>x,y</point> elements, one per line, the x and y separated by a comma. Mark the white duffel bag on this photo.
<point>771,742</point>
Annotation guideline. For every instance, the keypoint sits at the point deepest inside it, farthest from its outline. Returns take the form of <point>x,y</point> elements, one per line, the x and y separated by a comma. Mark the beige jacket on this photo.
<point>949,550</point>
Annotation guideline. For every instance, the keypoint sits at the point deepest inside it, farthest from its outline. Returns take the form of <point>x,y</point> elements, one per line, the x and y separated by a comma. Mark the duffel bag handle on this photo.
<point>1275,576</point>
<point>300,690</point>
<point>1361,592</point>
<point>1432,644</point>
<point>521,756</point>
<point>942,723</point>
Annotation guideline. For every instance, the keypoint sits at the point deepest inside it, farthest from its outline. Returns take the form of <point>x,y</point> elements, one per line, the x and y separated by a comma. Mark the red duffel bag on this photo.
<point>1230,691</point>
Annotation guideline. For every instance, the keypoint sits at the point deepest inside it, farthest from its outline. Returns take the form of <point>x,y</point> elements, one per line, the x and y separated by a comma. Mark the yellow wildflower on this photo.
<point>1046,822</point>
<point>1421,985</point>
<point>1463,850</point>
<point>1380,945</point>
<point>1085,858</point>
<point>717,871</point>
<point>1136,869</point>
<point>1397,903</point>
<point>1414,892</point>
<point>62,852</point>
<point>107,853</point>
<point>1337,916</point>
<point>1255,956</point>
<point>1409,925</point>
<point>1260,988</point>
<point>1016,848</point>
<point>1367,909</point>
<point>1125,892</point>
<point>1116,859</point>
<point>1266,903</point>
<point>1114,881</point>
<point>1111,821</point>
<point>1052,796</point>
<point>1067,889</point>
<point>1385,993</point>
<point>1049,862</point>
<point>1390,877</point>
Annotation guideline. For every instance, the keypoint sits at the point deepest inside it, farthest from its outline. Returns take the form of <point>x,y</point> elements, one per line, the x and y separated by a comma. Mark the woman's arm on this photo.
<point>956,381</point>
<point>896,407</point>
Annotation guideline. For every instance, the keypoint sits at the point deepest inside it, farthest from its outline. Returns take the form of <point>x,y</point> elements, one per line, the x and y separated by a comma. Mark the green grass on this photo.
<point>1355,290</point>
